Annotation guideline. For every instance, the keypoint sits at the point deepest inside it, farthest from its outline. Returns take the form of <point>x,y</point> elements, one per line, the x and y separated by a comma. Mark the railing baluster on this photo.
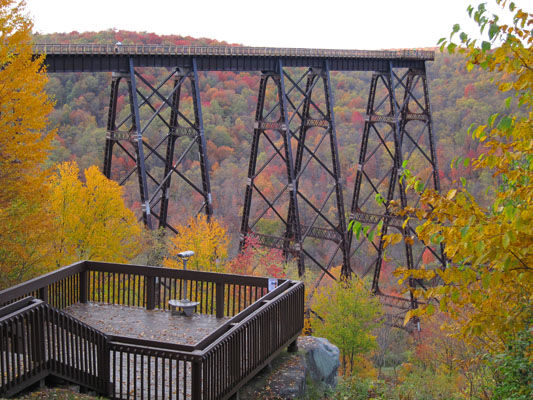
<point>4,369</point>
<point>184,364</point>
<point>79,352</point>
<point>178,378</point>
<point>128,384</point>
<point>121,371</point>
<point>149,381</point>
<point>135,375</point>
<point>11,344</point>
<point>23,321</point>
<point>156,374</point>
<point>142,374</point>
<point>107,279</point>
<point>219,299</point>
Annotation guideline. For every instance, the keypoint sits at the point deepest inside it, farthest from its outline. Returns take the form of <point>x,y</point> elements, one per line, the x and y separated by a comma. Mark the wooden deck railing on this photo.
<point>259,326</point>
<point>37,340</point>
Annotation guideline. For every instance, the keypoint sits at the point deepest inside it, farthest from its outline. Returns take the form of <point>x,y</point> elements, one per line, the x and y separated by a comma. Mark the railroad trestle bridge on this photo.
<point>295,122</point>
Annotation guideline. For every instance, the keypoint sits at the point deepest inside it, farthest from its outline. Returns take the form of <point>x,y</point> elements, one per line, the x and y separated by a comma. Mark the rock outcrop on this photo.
<point>295,375</point>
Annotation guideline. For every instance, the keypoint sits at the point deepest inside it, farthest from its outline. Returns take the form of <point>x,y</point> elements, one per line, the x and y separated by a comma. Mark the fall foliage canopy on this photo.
<point>91,219</point>
<point>208,240</point>
<point>24,146</point>
<point>487,286</point>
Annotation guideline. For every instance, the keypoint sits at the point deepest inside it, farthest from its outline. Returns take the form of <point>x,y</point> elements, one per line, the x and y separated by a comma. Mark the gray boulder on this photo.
<point>313,369</point>
<point>322,361</point>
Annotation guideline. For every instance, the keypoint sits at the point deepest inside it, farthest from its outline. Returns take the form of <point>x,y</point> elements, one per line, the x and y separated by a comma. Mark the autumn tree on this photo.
<point>24,109</point>
<point>208,240</point>
<point>257,260</point>
<point>346,314</point>
<point>487,285</point>
<point>156,246</point>
<point>90,218</point>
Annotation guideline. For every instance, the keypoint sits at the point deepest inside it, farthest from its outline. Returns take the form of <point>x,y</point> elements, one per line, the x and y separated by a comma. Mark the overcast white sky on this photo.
<point>335,24</point>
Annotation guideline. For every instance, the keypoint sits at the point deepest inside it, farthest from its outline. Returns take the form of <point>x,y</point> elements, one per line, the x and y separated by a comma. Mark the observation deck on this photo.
<point>107,327</point>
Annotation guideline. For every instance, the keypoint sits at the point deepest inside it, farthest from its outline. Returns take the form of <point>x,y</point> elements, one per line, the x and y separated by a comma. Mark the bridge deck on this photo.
<point>105,57</point>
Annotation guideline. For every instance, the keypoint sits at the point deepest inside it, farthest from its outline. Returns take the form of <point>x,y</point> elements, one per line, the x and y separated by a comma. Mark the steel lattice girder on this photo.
<point>397,133</point>
<point>154,190</point>
<point>293,116</point>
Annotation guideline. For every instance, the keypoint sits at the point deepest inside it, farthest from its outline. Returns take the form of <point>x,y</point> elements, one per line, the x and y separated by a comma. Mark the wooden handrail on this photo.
<point>163,272</point>
<point>22,289</point>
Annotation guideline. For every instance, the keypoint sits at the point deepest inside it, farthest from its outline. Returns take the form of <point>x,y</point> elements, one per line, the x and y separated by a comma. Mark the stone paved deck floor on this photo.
<point>138,322</point>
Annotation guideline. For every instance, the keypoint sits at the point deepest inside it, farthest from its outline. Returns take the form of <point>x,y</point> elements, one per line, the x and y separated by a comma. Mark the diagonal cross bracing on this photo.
<point>307,220</point>
<point>158,166</point>
<point>402,108</point>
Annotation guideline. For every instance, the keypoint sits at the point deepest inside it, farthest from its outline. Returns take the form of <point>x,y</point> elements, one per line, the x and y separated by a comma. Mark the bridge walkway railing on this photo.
<point>143,49</point>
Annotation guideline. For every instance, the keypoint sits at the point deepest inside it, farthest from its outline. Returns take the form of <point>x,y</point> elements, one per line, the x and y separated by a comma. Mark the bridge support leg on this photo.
<point>398,134</point>
<point>159,160</point>
<point>317,154</point>
<point>288,215</point>
<point>191,129</point>
<point>111,124</point>
<point>267,221</point>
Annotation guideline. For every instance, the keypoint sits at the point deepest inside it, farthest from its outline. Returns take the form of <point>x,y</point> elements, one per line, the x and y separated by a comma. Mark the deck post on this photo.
<point>43,294</point>
<point>83,287</point>
<point>104,366</point>
<point>196,379</point>
<point>220,300</point>
<point>150,292</point>
<point>293,347</point>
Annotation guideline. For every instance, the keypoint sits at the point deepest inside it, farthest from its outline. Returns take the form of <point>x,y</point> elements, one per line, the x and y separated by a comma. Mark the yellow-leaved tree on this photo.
<point>24,145</point>
<point>487,285</point>
<point>346,314</point>
<point>208,240</point>
<point>91,219</point>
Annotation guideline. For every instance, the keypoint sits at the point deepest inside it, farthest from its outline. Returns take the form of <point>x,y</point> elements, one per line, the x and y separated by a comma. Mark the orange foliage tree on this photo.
<point>24,107</point>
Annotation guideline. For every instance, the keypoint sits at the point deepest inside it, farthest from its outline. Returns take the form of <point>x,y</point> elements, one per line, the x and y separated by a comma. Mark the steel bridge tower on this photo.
<point>397,135</point>
<point>295,138</point>
<point>158,160</point>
